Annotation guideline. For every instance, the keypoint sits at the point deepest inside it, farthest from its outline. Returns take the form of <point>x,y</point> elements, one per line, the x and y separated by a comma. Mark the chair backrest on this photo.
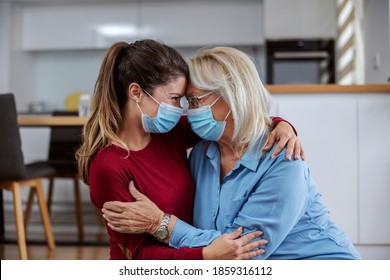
<point>11,156</point>
<point>64,141</point>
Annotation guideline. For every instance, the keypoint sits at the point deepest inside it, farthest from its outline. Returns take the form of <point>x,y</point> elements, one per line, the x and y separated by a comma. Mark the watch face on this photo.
<point>162,233</point>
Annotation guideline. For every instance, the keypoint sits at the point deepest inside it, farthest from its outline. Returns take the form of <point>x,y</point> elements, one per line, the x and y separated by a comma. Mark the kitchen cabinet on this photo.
<point>177,23</point>
<point>374,169</point>
<point>345,137</point>
<point>197,24</point>
<point>300,19</point>
<point>327,127</point>
<point>69,27</point>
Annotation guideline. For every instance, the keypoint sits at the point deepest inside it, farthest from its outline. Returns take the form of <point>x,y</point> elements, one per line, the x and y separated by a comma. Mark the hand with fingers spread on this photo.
<point>136,217</point>
<point>231,246</point>
<point>284,134</point>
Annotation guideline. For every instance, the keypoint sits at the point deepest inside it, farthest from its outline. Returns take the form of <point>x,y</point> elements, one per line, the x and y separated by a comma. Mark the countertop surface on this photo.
<point>329,88</point>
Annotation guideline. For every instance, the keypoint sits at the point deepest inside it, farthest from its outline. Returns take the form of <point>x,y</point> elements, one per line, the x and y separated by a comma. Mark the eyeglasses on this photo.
<point>193,101</point>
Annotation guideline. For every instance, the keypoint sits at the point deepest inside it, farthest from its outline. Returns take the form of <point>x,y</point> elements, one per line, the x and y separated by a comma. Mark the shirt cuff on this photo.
<point>181,235</point>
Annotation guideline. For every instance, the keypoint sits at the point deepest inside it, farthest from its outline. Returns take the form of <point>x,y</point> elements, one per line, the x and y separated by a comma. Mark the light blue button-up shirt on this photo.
<point>276,196</point>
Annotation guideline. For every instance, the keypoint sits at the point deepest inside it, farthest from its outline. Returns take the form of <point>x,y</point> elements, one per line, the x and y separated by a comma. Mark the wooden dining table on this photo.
<point>49,121</point>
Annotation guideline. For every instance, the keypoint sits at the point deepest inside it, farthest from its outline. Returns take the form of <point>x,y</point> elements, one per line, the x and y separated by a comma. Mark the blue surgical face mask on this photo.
<point>167,117</point>
<point>203,123</point>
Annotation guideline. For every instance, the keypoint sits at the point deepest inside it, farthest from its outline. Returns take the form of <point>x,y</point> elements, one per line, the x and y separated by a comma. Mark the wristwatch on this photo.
<point>162,231</point>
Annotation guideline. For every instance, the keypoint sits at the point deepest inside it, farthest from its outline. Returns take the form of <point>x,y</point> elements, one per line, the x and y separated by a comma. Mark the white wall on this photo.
<point>15,65</point>
<point>21,68</point>
<point>5,17</point>
<point>57,74</point>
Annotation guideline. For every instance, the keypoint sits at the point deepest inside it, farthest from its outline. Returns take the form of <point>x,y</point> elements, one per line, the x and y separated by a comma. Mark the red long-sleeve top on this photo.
<point>160,171</point>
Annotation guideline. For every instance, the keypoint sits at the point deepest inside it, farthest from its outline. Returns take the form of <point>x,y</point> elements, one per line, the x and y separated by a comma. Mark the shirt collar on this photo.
<point>212,151</point>
<point>212,154</point>
<point>250,160</point>
<point>253,157</point>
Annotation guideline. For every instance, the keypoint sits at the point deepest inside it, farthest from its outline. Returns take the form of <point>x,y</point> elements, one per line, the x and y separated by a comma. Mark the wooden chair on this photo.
<point>14,174</point>
<point>63,144</point>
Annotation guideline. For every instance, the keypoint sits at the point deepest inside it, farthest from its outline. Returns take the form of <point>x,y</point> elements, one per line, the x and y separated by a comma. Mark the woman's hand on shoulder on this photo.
<point>231,246</point>
<point>284,134</point>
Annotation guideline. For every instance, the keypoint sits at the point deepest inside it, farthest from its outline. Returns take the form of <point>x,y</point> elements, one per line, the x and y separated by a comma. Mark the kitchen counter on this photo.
<point>344,131</point>
<point>329,88</point>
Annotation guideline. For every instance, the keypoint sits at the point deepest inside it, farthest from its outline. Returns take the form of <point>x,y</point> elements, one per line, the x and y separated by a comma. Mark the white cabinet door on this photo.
<point>203,23</point>
<point>176,23</point>
<point>374,169</point>
<point>58,27</point>
<point>300,19</point>
<point>327,127</point>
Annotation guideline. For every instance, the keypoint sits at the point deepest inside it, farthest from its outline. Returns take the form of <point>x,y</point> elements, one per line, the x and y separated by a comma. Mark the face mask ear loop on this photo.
<point>215,101</point>
<point>139,107</point>
<point>227,115</point>
<point>151,97</point>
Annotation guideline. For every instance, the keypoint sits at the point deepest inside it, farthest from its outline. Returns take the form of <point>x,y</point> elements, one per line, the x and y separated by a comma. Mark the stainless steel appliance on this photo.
<point>300,61</point>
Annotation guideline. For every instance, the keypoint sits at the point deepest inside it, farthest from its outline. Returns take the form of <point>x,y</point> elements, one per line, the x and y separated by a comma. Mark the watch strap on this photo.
<point>163,228</point>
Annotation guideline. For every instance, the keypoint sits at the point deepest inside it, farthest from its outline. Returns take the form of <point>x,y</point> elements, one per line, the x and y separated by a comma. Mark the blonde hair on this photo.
<point>233,74</point>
